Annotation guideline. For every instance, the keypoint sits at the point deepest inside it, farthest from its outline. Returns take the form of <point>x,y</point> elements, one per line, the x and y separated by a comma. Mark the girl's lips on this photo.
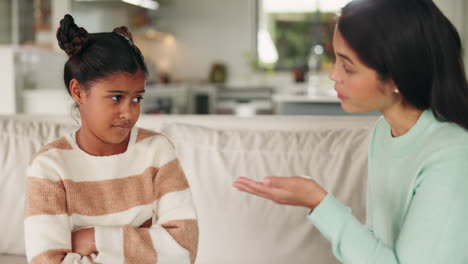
<point>122,127</point>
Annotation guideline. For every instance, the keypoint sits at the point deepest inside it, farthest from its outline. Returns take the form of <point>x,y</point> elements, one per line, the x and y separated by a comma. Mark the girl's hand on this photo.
<point>296,190</point>
<point>147,224</point>
<point>83,242</point>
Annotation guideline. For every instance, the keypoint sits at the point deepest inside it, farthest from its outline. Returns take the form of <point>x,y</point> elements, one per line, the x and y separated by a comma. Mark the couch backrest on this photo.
<point>239,228</point>
<point>330,149</point>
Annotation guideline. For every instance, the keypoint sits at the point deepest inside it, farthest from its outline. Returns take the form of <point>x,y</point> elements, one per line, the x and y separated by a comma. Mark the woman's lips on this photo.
<point>340,96</point>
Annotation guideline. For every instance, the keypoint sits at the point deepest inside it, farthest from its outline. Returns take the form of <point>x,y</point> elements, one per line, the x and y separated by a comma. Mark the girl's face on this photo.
<point>111,107</point>
<point>358,86</point>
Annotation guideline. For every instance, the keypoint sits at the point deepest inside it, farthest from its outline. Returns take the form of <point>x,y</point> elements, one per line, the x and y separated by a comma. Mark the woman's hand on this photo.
<point>83,242</point>
<point>296,190</point>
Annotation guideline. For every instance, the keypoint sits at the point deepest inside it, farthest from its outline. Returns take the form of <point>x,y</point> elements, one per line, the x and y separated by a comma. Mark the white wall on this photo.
<point>456,11</point>
<point>7,75</point>
<point>100,16</point>
<point>207,31</point>
<point>453,9</point>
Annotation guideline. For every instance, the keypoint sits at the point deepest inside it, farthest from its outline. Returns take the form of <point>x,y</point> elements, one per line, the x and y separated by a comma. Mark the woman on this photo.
<point>402,58</point>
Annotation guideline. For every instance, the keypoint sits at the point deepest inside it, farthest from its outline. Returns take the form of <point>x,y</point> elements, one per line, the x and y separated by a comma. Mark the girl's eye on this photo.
<point>116,98</point>
<point>137,99</point>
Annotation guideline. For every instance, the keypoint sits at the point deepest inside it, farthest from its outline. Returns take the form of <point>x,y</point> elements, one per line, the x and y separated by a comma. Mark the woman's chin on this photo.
<point>351,109</point>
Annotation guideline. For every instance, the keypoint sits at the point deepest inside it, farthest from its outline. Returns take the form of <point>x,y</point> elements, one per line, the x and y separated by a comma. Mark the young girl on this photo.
<point>403,58</point>
<point>109,192</point>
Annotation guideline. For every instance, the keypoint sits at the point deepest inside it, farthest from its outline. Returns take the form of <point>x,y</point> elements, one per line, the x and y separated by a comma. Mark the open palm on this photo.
<point>299,191</point>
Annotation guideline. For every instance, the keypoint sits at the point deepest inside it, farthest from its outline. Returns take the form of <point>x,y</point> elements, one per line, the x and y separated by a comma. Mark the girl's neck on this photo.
<point>401,118</point>
<point>93,145</point>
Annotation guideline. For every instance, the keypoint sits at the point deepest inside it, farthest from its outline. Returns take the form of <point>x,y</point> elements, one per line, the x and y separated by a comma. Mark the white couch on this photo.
<point>235,228</point>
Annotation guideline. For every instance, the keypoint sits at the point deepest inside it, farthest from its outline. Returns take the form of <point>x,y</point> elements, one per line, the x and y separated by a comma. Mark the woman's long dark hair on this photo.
<point>415,45</point>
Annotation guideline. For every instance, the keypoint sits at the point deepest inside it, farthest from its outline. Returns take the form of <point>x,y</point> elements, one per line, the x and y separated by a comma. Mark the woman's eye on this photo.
<point>116,98</point>
<point>137,99</point>
<point>346,69</point>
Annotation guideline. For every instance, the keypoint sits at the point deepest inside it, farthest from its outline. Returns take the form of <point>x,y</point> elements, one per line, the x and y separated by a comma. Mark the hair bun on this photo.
<point>124,31</point>
<point>70,37</point>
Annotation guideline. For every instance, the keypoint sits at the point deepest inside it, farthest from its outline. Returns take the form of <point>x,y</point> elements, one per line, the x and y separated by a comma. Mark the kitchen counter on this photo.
<point>297,104</point>
<point>286,98</point>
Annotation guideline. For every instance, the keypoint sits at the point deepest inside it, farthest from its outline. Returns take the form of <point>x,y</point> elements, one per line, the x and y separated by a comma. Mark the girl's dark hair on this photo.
<point>92,57</point>
<point>415,45</point>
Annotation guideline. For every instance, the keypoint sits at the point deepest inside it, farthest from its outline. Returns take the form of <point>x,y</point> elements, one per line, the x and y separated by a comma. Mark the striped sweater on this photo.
<point>68,189</point>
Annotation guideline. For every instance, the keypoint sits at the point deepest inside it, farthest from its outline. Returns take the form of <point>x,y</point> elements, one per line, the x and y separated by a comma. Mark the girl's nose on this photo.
<point>125,111</point>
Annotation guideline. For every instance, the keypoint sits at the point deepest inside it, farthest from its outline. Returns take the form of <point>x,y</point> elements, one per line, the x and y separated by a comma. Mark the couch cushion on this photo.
<point>13,259</point>
<point>19,140</point>
<point>239,228</point>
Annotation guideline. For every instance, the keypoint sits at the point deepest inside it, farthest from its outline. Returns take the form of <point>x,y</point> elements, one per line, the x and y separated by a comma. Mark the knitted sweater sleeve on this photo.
<point>434,229</point>
<point>173,237</point>
<point>47,224</point>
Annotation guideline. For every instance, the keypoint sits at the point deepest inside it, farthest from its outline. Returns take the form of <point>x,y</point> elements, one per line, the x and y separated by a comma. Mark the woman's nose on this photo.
<point>333,75</point>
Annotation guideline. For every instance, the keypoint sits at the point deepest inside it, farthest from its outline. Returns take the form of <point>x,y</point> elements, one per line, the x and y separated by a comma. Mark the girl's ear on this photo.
<point>76,91</point>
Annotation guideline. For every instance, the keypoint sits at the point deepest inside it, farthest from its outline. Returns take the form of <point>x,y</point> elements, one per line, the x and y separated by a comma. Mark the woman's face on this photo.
<point>358,86</point>
<point>111,107</point>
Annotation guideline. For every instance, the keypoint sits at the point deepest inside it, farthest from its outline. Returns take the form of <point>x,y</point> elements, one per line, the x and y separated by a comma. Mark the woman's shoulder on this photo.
<point>445,143</point>
<point>429,129</point>
<point>448,134</point>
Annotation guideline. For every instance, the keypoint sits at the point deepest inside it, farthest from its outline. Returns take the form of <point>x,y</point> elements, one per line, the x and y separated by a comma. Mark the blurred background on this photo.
<point>240,57</point>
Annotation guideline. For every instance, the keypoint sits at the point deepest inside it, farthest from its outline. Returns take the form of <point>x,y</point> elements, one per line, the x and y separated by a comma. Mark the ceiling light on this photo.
<point>150,4</point>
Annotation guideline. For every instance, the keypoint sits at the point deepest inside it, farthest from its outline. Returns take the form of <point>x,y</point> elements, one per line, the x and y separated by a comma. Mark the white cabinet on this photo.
<point>32,81</point>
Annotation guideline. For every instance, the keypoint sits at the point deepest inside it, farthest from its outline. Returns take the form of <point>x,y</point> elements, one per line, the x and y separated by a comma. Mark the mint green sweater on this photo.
<point>417,199</point>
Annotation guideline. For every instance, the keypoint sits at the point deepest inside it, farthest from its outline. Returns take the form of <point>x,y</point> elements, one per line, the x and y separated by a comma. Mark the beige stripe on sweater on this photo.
<point>103,197</point>
<point>145,133</point>
<point>44,197</point>
<point>184,232</point>
<point>54,256</point>
<point>60,143</point>
<point>138,246</point>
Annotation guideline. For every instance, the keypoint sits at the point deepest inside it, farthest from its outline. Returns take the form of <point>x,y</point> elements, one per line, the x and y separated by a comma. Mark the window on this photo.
<point>291,32</point>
